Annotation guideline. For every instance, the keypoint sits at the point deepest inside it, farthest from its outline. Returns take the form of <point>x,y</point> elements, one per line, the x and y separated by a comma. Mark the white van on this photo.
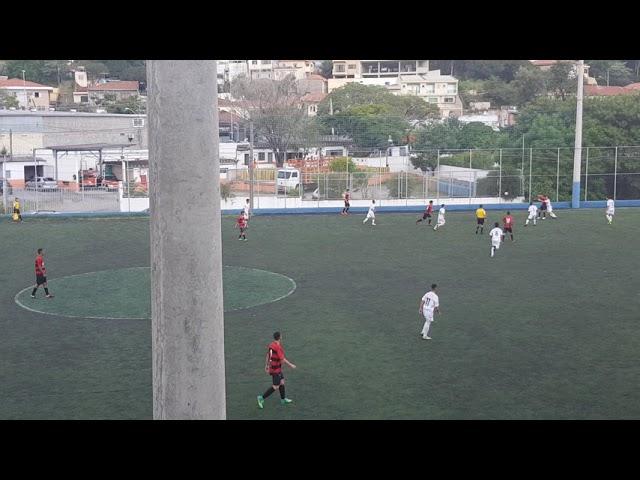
<point>288,179</point>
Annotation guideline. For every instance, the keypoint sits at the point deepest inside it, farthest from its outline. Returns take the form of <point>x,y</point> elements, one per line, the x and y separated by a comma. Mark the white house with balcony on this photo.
<point>260,69</point>
<point>300,69</point>
<point>432,87</point>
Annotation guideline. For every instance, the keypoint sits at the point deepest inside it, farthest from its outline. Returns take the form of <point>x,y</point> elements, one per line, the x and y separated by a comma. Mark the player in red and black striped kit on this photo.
<point>507,222</point>
<point>347,205</point>
<point>427,213</point>
<point>273,366</point>
<point>41,275</point>
<point>241,223</point>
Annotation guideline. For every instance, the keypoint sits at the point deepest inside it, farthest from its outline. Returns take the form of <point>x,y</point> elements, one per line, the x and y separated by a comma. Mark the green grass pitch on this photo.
<point>548,329</point>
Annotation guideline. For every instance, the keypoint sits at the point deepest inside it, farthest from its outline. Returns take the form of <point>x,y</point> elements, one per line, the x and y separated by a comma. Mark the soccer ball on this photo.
<point>506,193</point>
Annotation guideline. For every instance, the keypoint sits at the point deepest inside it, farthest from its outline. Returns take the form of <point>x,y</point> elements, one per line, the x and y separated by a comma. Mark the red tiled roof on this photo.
<point>18,82</point>
<point>599,91</point>
<point>315,97</point>
<point>119,85</point>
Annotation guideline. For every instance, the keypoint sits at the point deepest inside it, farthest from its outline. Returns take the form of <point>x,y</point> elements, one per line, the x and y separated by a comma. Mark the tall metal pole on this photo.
<point>11,145</point>
<point>251,173</point>
<point>187,316</point>
<point>35,167</point>
<point>500,179</point>
<point>522,168</point>
<point>615,174</point>
<point>4,184</point>
<point>558,177</point>
<point>577,154</point>
<point>586,174</point>
<point>530,169</point>
<point>438,179</point>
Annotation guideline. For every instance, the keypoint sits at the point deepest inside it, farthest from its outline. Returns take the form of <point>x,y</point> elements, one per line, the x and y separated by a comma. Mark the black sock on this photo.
<point>46,290</point>
<point>429,221</point>
<point>34,291</point>
<point>281,388</point>
<point>481,230</point>
<point>268,392</point>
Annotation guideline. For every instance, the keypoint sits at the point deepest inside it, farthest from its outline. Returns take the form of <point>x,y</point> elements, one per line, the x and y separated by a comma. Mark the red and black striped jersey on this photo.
<point>276,355</point>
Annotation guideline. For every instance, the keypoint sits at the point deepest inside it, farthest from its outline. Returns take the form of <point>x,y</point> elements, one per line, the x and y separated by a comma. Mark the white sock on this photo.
<point>425,329</point>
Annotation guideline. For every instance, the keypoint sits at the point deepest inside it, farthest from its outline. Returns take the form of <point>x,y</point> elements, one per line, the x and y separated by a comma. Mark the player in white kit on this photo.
<point>611,210</point>
<point>497,236</point>
<point>550,208</point>
<point>441,220</point>
<point>371,214</point>
<point>533,211</point>
<point>428,306</point>
<point>245,210</point>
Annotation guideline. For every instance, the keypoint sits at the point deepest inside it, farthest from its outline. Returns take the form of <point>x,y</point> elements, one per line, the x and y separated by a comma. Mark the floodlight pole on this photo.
<point>187,316</point>
<point>577,153</point>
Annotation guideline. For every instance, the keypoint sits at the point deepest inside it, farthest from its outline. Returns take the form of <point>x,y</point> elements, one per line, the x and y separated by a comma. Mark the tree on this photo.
<point>528,84</point>
<point>342,164</point>
<point>372,114</point>
<point>612,72</point>
<point>562,80</point>
<point>8,101</point>
<point>326,68</point>
<point>40,71</point>
<point>275,108</point>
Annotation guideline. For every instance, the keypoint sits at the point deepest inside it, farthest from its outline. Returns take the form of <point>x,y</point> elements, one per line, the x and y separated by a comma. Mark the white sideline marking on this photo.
<point>20,304</point>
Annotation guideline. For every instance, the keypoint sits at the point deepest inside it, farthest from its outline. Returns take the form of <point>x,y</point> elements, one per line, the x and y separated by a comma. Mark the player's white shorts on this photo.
<point>371,215</point>
<point>428,315</point>
<point>496,243</point>
<point>531,216</point>
<point>611,211</point>
<point>441,221</point>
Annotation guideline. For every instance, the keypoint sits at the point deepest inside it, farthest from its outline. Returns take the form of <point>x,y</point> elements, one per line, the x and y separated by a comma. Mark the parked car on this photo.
<point>42,183</point>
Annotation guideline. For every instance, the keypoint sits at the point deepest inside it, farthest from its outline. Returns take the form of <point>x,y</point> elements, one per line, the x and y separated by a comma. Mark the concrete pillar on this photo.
<point>186,249</point>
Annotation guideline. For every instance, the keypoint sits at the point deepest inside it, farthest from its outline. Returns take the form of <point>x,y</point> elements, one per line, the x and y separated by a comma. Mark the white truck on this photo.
<point>288,179</point>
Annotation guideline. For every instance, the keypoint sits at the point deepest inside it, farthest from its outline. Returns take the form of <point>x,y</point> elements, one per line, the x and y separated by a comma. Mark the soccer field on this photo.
<point>548,329</point>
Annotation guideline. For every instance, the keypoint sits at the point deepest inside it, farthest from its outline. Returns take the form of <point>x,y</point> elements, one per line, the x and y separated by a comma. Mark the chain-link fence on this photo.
<point>99,199</point>
<point>486,175</point>
<point>475,175</point>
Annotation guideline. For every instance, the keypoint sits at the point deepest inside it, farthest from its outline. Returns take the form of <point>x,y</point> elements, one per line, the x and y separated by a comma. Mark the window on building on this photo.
<point>84,98</point>
<point>430,88</point>
<point>254,62</point>
<point>451,88</point>
<point>261,156</point>
<point>270,157</point>
<point>433,100</point>
<point>403,151</point>
<point>339,68</point>
<point>449,100</point>
<point>351,67</point>
<point>36,94</point>
<point>266,62</point>
<point>246,159</point>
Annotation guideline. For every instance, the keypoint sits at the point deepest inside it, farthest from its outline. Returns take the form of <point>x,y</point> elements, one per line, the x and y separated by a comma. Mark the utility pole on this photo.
<point>577,153</point>
<point>187,318</point>
<point>251,172</point>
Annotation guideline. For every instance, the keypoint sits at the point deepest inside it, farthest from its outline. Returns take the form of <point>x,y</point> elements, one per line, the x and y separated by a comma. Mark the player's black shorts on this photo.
<point>426,215</point>
<point>347,204</point>
<point>543,206</point>
<point>277,378</point>
<point>508,229</point>
<point>242,229</point>
<point>481,221</point>
<point>41,279</point>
